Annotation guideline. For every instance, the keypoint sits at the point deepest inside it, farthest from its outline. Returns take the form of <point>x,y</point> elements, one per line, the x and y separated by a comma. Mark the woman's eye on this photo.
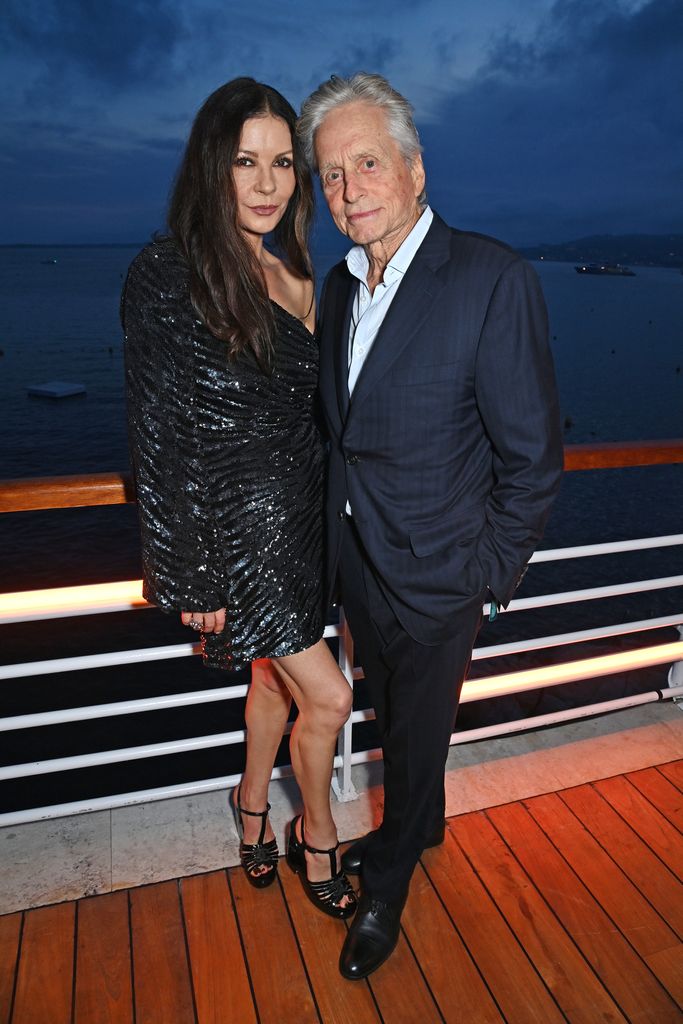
<point>242,161</point>
<point>284,161</point>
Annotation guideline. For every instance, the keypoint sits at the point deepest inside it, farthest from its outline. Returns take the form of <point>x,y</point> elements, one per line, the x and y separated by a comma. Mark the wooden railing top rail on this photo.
<point>33,493</point>
<point>29,494</point>
<point>622,454</point>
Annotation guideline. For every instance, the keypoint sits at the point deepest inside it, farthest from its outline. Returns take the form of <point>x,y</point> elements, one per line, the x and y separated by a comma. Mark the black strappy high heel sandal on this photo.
<point>254,857</point>
<point>327,895</point>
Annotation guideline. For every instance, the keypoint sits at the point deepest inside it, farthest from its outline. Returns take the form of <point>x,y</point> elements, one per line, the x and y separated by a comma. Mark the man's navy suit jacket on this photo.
<point>449,450</point>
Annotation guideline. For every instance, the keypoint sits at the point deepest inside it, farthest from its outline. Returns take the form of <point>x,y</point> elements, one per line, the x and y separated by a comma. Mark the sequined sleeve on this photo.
<point>177,521</point>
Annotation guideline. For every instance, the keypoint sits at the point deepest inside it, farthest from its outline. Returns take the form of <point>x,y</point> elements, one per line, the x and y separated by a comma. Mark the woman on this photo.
<point>221,369</point>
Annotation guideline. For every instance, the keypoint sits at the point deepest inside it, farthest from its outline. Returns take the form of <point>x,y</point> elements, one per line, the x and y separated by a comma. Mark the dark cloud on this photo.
<point>604,37</point>
<point>110,44</point>
<point>446,46</point>
<point>70,171</point>
<point>577,130</point>
<point>375,54</point>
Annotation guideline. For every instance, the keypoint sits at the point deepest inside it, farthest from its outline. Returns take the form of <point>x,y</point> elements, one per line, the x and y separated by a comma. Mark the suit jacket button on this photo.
<point>351,460</point>
<point>340,516</point>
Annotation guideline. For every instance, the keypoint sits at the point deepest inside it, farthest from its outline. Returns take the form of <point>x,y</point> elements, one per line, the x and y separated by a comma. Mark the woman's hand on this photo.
<point>206,622</point>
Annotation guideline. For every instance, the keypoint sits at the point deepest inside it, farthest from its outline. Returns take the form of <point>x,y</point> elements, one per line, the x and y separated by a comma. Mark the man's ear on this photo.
<point>417,172</point>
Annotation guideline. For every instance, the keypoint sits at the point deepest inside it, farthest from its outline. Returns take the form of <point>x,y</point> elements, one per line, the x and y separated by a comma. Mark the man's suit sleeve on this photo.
<point>517,399</point>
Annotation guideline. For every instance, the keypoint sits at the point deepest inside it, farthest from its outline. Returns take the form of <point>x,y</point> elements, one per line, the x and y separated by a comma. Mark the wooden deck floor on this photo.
<point>565,907</point>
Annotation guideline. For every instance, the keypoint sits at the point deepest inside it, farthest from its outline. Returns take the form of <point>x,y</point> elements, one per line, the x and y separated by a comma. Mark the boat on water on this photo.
<point>610,269</point>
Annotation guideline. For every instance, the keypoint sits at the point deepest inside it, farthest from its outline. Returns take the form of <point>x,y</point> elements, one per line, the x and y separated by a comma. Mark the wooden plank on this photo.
<point>278,977</point>
<point>673,771</point>
<point>219,973</point>
<point>667,964</point>
<point>617,454</point>
<point>401,991</point>
<point>666,797</point>
<point>512,979</point>
<point>579,993</point>
<point>646,931</point>
<point>163,992</point>
<point>104,989</point>
<point>645,819</point>
<point>30,493</point>
<point>45,978</point>
<point>455,983</point>
<point>320,940</point>
<point>633,986</point>
<point>10,931</point>
<point>634,857</point>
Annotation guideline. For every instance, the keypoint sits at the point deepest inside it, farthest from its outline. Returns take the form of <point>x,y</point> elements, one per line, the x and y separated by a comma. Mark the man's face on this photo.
<point>370,190</point>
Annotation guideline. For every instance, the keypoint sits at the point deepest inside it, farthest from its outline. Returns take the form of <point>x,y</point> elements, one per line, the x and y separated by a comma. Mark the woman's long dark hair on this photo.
<point>227,285</point>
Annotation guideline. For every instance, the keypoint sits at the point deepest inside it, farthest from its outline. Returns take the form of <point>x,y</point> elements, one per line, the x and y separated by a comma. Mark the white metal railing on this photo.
<point>480,689</point>
<point>102,598</point>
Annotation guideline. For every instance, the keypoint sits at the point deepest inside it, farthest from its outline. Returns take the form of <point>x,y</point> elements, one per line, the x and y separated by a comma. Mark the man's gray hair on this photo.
<point>372,89</point>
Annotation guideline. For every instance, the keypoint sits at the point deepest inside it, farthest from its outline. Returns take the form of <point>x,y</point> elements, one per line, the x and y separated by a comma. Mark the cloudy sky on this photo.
<point>541,120</point>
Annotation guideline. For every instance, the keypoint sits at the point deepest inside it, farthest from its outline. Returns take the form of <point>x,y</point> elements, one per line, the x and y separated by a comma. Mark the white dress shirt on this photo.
<point>369,310</point>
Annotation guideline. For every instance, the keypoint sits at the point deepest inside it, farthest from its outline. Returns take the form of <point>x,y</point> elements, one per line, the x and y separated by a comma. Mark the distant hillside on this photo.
<point>640,250</point>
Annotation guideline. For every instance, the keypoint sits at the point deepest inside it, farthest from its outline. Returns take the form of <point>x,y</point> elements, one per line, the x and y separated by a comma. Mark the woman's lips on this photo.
<point>263,211</point>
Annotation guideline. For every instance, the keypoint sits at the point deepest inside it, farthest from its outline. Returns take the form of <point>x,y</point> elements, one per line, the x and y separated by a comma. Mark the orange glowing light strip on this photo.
<point>93,599</point>
<point>571,671</point>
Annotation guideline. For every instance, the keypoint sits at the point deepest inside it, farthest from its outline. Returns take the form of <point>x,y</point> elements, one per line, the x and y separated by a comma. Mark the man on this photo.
<point>438,390</point>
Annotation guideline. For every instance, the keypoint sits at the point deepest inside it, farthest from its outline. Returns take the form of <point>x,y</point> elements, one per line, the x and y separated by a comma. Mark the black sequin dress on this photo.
<point>228,467</point>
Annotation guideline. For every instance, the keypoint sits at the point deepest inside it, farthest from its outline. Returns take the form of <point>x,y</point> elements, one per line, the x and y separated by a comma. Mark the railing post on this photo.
<point>342,783</point>
<point>675,677</point>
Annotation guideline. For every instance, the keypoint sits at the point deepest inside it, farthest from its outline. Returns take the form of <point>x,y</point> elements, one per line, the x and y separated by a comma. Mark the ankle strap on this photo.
<point>252,814</point>
<point>312,849</point>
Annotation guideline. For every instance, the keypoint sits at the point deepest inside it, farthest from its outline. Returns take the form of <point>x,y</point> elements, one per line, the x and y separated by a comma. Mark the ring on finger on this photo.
<point>193,624</point>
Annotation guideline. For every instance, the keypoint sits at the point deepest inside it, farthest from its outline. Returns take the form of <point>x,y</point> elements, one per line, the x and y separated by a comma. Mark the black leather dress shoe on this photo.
<point>372,937</point>
<point>352,857</point>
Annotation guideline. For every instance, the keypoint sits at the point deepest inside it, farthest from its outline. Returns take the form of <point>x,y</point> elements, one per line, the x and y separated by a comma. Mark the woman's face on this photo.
<point>263,173</point>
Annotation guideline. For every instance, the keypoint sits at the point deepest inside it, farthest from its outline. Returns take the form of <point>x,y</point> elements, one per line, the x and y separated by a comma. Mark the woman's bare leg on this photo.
<point>266,714</point>
<point>324,699</point>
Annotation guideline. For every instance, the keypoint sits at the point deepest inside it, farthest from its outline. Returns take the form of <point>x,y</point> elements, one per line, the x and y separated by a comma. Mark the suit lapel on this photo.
<point>336,309</point>
<point>341,343</point>
<point>413,301</point>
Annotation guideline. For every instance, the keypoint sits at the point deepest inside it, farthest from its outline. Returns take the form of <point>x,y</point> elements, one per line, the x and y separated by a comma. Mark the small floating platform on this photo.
<point>55,389</point>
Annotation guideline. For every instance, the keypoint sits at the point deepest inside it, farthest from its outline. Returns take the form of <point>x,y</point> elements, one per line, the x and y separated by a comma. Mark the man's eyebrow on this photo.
<point>364,154</point>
